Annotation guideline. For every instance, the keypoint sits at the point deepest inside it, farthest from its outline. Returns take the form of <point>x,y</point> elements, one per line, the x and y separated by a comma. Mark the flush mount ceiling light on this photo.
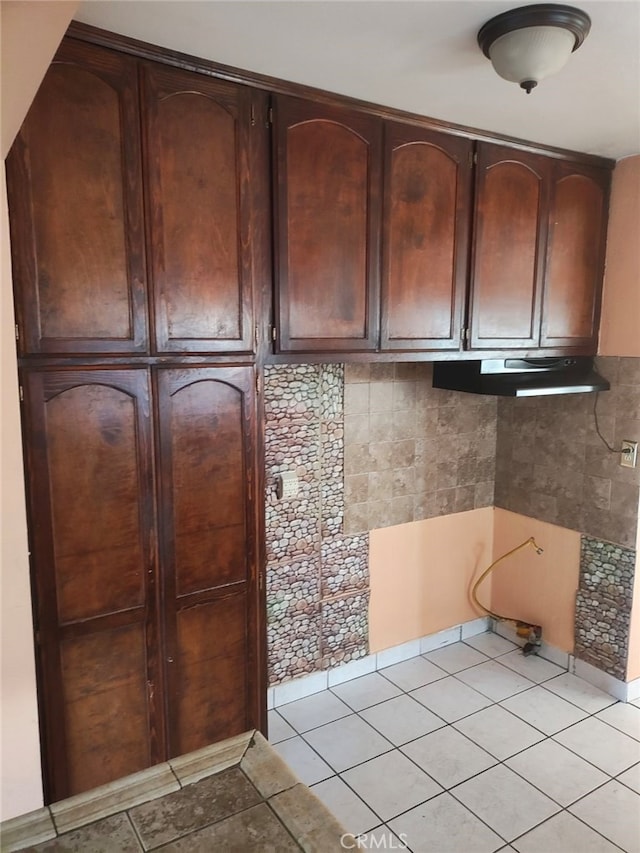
<point>527,44</point>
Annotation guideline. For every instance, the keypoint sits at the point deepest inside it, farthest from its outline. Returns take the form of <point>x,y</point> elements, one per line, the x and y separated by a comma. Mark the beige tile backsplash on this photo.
<point>413,451</point>
<point>551,464</point>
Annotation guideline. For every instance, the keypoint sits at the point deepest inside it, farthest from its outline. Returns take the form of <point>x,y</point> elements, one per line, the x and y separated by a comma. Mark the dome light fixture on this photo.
<point>527,44</point>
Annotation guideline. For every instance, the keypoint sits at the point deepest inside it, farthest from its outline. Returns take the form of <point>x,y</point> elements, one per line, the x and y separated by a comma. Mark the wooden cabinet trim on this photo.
<point>145,50</point>
<point>490,158</point>
<point>600,180</point>
<point>119,73</point>
<point>460,152</point>
<point>241,296</point>
<point>291,113</point>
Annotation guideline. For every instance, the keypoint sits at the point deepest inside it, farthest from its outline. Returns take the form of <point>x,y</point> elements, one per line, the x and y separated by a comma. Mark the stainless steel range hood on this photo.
<point>520,377</point>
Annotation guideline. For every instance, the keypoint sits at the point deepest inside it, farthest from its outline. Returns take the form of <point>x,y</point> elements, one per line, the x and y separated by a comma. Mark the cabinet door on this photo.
<point>208,516</point>
<point>75,197</point>
<point>509,248</point>
<point>91,496</point>
<point>426,217</point>
<point>204,173</point>
<point>328,177</point>
<point>575,258</point>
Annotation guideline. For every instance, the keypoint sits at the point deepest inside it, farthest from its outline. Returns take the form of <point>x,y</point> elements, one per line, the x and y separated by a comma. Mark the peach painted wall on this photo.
<point>620,324</point>
<point>421,572</point>
<point>31,32</point>
<point>633,661</point>
<point>537,588</point>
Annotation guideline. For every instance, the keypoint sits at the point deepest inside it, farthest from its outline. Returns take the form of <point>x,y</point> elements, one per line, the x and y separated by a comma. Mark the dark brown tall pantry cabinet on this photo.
<point>133,188</point>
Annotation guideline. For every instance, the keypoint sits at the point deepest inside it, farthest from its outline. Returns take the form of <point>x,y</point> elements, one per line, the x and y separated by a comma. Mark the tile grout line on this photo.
<point>499,762</point>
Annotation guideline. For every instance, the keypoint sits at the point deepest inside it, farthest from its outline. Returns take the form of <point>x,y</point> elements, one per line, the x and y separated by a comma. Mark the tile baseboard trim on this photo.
<point>624,691</point>
<point>27,830</point>
<point>307,685</point>
<point>547,651</point>
<point>51,821</point>
<point>116,796</point>
<point>633,690</point>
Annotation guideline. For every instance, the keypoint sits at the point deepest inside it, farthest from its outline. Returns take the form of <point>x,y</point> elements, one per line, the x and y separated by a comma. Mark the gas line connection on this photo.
<point>526,630</point>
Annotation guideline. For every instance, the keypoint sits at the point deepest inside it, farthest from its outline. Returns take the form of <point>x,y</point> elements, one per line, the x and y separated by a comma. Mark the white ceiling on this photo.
<point>420,56</point>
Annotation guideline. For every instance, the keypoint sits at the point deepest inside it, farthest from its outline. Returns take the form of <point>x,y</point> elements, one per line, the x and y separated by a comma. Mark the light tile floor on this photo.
<point>472,748</point>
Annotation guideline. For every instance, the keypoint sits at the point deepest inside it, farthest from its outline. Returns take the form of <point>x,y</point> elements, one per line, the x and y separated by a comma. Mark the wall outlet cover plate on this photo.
<point>629,454</point>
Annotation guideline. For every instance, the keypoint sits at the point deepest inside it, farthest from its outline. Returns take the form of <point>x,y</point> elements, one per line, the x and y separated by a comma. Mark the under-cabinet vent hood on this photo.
<point>520,377</point>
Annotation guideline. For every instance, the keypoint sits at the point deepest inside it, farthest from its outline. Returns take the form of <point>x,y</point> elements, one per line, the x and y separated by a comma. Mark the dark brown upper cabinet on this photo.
<point>327,214</point>
<point>509,248</point>
<point>426,210</point>
<point>575,256</point>
<point>75,196</point>
<point>205,173</point>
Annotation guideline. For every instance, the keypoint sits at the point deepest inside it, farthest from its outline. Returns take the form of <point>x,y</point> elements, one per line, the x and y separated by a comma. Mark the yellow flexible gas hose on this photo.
<point>474,596</point>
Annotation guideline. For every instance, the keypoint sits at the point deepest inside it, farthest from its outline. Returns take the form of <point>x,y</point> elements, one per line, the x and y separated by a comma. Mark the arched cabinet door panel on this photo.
<point>575,256</point>
<point>509,248</point>
<point>205,175</point>
<point>75,200</point>
<point>426,209</point>
<point>327,197</point>
<point>207,432</point>
<point>91,491</point>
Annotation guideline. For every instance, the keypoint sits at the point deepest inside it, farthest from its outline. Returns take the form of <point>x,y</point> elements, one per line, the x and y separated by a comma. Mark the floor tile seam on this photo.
<point>593,829</point>
<point>510,671</point>
<point>332,689</point>
<point>614,701</point>
<point>547,734</point>
<point>326,761</point>
<point>204,825</point>
<point>418,805</point>
<point>611,726</point>
<point>409,696</point>
<point>623,782</point>
<point>462,668</point>
<point>177,778</point>
<point>327,723</point>
<point>526,722</point>
<point>351,714</point>
<point>134,829</point>
<point>546,793</point>
<point>491,657</point>
<point>490,698</point>
<point>588,794</point>
<point>357,795</point>
<point>537,683</point>
<point>551,817</point>
<point>485,749</point>
<point>415,763</point>
<point>398,687</point>
<point>280,821</point>
<point>584,758</point>
<point>464,806</point>
<point>493,829</point>
<point>448,788</point>
<point>275,743</point>
<point>413,739</point>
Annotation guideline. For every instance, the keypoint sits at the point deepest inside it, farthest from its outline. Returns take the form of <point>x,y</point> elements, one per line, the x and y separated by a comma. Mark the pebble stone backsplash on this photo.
<point>317,578</point>
<point>603,605</point>
<point>375,445</point>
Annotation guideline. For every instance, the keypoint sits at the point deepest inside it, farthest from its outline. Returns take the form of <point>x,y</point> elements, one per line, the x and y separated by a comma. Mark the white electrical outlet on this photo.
<point>629,454</point>
<point>287,485</point>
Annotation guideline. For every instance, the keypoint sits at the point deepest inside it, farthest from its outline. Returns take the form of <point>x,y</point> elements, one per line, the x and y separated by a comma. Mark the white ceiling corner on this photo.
<point>420,56</point>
